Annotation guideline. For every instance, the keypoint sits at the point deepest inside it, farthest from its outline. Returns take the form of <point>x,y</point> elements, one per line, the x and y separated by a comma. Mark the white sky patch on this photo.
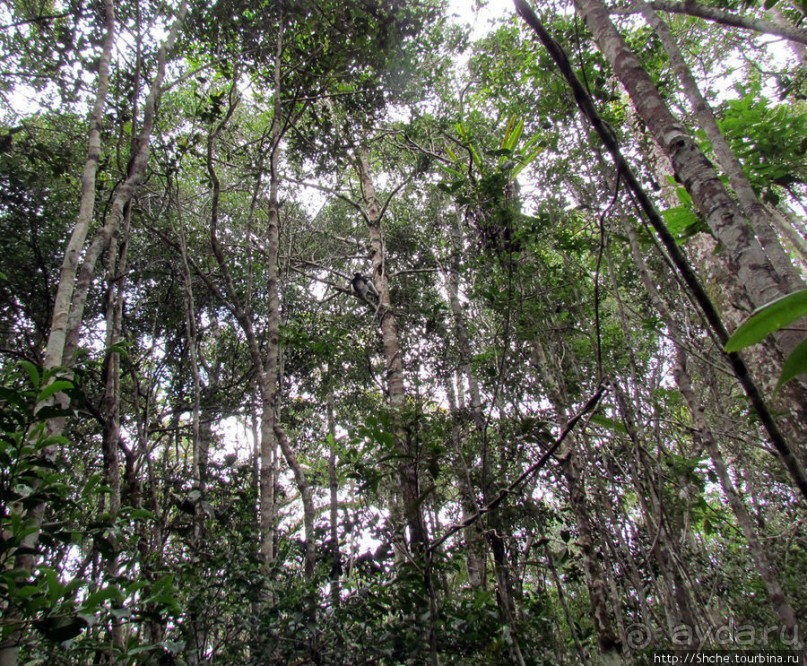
<point>479,15</point>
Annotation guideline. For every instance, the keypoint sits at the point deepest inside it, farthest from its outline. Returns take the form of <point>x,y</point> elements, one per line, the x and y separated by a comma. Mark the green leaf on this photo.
<point>513,133</point>
<point>605,422</point>
<point>795,364</point>
<point>53,388</point>
<point>681,221</point>
<point>97,598</point>
<point>769,318</point>
<point>32,370</point>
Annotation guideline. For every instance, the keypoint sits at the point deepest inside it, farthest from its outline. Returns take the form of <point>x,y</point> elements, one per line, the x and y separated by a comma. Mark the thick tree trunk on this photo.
<point>754,210</point>
<point>724,217</point>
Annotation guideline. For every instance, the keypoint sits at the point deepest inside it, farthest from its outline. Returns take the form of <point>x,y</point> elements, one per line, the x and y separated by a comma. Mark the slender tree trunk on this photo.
<point>766,572</point>
<point>110,405</point>
<point>578,647</point>
<point>408,465</point>
<point>67,279</point>
<point>474,540</point>
<point>199,441</point>
<point>65,343</point>
<point>609,644</point>
<point>333,487</point>
<point>710,13</point>
<point>269,384</point>
<point>475,543</point>
<point>407,449</point>
<point>70,298</point>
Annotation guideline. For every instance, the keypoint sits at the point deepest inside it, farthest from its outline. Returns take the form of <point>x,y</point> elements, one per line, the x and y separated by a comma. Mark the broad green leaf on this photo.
<point>97,598</point>
<point>681,221</point>
<point>795,364</point>
<point>53,388</point>
<point>32,370</point>
<point>513,133</point>
<point>769,318</point>
<point>605,422</point>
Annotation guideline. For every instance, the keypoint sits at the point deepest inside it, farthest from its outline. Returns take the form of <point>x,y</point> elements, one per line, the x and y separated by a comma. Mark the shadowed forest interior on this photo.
<point>402,331</point>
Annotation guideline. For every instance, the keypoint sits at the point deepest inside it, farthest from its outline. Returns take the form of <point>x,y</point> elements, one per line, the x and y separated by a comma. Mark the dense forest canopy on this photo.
<point>373,332</point>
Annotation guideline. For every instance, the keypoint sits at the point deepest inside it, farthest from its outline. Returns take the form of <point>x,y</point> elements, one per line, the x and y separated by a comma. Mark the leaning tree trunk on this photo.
<point>724,217</point>
<point>743,252</point>
<point>753,208</point>
<point>67,278</point>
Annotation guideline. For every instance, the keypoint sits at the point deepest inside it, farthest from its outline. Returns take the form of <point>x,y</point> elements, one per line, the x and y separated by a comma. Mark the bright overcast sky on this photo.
<point>465,11</point>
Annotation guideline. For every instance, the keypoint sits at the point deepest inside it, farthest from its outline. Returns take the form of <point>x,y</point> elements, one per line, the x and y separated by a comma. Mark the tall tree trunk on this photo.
<point>65,343</point>
<point>199,443</point>
<point>766,572</point>
<point>610,646</point>
<point>110,404</point>
<point>408,465</point>
<point>724,217</point>
<point>333,488</point>
<point>705,188</point>
<point>474,540</point>
<point>404,441</point>
<point>67,278</point>
<point>70,298</point>
<point>752,207</point>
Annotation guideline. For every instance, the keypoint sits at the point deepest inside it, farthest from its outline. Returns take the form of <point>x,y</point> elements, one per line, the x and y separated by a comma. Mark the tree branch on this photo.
<point>691,8</point>
<point>504,493</point>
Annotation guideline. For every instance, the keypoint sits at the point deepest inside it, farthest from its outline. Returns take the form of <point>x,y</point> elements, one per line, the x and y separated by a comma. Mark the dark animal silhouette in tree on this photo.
<point>365,290</point>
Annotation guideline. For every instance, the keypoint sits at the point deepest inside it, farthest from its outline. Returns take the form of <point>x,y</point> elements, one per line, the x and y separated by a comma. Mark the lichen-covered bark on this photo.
<point>724,217</point>
<point>757,214</point>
